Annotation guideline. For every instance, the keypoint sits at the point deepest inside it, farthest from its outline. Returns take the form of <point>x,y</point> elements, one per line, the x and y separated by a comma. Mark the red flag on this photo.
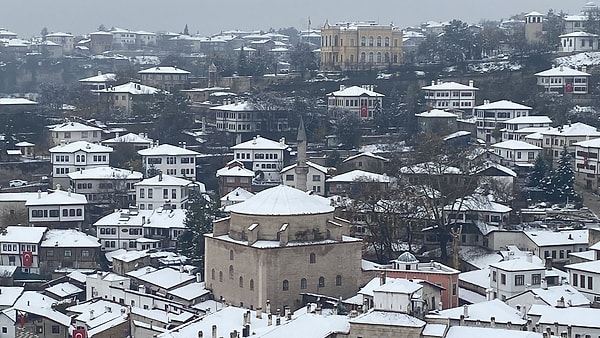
<point>21,320</point>
<point>27,258</point>
<point>79,333</point>
<point>569,87</point>
<point>364,111</point>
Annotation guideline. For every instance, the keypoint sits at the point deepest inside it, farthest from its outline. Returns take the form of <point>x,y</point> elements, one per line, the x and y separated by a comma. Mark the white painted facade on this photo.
<point>170,160</point>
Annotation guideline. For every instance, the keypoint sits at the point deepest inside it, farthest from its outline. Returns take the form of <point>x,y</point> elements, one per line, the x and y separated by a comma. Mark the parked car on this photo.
<point>17,183</point>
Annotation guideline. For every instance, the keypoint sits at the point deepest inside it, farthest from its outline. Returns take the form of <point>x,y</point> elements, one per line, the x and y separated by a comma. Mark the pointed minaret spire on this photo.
<point>301,166</point>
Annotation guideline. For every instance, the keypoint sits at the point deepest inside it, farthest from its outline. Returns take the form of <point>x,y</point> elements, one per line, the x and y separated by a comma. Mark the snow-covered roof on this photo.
<point>80,146</point>
<point>489,332</point>
<point>388,318</point>
<point>367,154</point>
<point>499,167</point>
<point>355,91</point>
<point>396,285</point>
<point>100,78</point>
<point>166,278</point>
<point>436,113</point>
<point>105,173</point>
<point>552,294</point>
<point>574,129</point>
<point>235,171</point>
<point>73,126</point>
<point>167,149</point>
<point>579,35</point>
<point>359,176</point>
<point>593,143</point>
<point>534,13</point>
<point>478,203</point>
<point>237,106</point>
<point>573,316</point>
<point>517,265</point>
<point>529,119</point>
<point>129,138</point>
<point>429,168</point>
<point>64,290</point>
<point>156,218</point>
<point>164,180</point>
<point>502,312</point>
<point>557,238</point>
<point>141,271</point>
<point>562,71</point>
<point>259,142</point>
<point>163,70</point>
<point>24,144</point>
<point>592,266</point>
<point>22,234</point>
<point>283,200</point>
<point>190,291</point>
<point>16,101</point>
<point>78,276</point>
<point>57,197</point>
<point>36,303</point>
<point>69,238</point>
<point>9,295</point>
<point>515,145</point>
<point>238,194</point>
<point>318,167</point>
<point>503,104</point>
<point>449,86</point>
<point>131,88</point>
<point>130,256</point>
<point>480,278</point>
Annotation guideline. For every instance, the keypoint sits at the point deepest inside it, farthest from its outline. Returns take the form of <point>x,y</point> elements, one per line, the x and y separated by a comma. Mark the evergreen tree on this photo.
<point>43,33</point>
<point>186,31</point>
<point>198,221</point>
<point>559,185</point>
<point>538,173</point>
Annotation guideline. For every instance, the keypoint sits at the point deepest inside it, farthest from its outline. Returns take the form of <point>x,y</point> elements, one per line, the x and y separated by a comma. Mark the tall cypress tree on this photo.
<point>538,172</point>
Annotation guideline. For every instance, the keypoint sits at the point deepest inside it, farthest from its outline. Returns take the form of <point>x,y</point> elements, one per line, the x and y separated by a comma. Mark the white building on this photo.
<point>57,208</point>
<point>316,177</point>
<point>262,155</point>
<point>516,153</point>
<point>99,81</point>
<point>20,246</point>
<point>63,39</point>
<point>360,101</point>
<point>162,190</point>
<point>137,141</point>
<point>450,95</point>
<point>587,165</point>
<point>556,244</point>
<point>518,128</point>
<point>578,42</point>
<point>69,132</point>
<point>106,184</point>
<point>491,116</point>
<point>563,80</point>
<point>237,195</point>
<point>557,296</point>
<point>585,277</point>
<point>123,38</point>
<point>572,321</point>
<point>511,277</point>
<point>555,139</point>
<point>72,157</point>
<point>124,96</point>
<point>169,159</point>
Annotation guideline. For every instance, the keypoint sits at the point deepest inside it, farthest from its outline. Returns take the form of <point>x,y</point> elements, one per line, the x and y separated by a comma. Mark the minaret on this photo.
<point>301,166</point>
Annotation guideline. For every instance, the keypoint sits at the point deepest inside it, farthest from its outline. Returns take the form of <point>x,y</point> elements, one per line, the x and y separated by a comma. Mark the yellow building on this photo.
<point>360,45</point>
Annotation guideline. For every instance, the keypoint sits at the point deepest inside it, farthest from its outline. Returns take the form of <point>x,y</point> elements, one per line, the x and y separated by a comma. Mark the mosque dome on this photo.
<point>283,200</point>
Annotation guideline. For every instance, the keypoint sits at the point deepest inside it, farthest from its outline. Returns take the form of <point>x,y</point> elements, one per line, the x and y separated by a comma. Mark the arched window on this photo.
<point>321,281</point>
<point>371,41</point>
<point>335,40</point>
<point>363,41</point>
<point>231,272</point>
<point>303,283</point>
<point>395,58</point>
<point>387,57</point>
<point>338,280</point>
<point>371,57</point>
<point>220,276</point>
<point>82,158</point>
<point>230,255</point>
<point>241,281</point>
<point>77,158</point>
<point>378,57</point>
<point>386,41</point>
<point>252,285</point>
<point>212,274</point>
<point>286,285</point>
<point>312,258</point>
<point>362,57</point>
<point>379,41</point>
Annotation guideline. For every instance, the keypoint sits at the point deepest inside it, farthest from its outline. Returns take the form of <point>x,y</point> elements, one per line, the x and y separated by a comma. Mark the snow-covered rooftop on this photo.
<point>388,318</point>
<point>166,278</point>
<point>529,119</point>
<point>190,291</point>
<point>9,295</point>
<point>238,194</point>
<point>167,149</point>
<point>283,200</point>
<point>557,238</point>
<point>436,113</point>
<point>308,163</point>
<point>367,154</point>
<point>129,138</point>
<point>561,71</point>
<point>73,126</point>
<point>503,104</point>
<point>165,180</point>
<point>574,129</point>
<point>102,173</point>
<point>36,303</point>
<point>16,101</point>
<point>67,238</point>
<point>515,145</point>
<point>449,86</point>
<point>359,176</point>
<point>163,70</point>
<point>131,88</point>
<point>355,91</point>
<point>235,171</point>
<point>574,316</point>
<point>80,146</point>
<point>259,142</point>
<point>100,78</point>
<point>502,312</point>
<point>22,234</point>
<point>57,197</point>
<point>398,285</point>
<point>64,290</point>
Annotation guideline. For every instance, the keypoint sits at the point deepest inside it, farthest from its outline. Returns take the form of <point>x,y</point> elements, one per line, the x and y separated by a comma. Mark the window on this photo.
<point>303,283</point>
<point>590,284</point>
<point>4,329</point>
<point>502,279</point>
<point>166,194</point>
<point>150,193</point>
<point>231,272</point>
<point>230,255</point>
<point>289,177</point>
<point>519,280</point>
<point>241,282</point>
<point>142,194</point>
<point>536,279</point>
<point>321,281</point>
<point>582,281</point>
<point>286,285</point>
<point>67,253</point>
<point>173,193</point>
<point>85,253</point>
<point>312,258</point>
<point>220,276</point>
<point>338,280</point>
<point>50,253</point>
<point>252,285</point>
<point>493,276</point>
<point>55,329</point>
<point>316,178</point>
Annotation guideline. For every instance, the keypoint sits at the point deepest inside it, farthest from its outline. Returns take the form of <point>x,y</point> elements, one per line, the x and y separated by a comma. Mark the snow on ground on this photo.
<point>490,67</point>
<point>587,59</point>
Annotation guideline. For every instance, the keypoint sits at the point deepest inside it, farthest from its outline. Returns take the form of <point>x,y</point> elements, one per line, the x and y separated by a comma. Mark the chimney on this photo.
<point>259,312</point>
<point>184,144</point>
<point>268,307</point>
<point>160,176</point>
<point>471,83</point>
<point>432,82</point>
<point>246,331</point>
<point>462,320</point>
<point>530,256</point>
<point>560,303</point>
<point>198,277</point>
<point>544,284</point>
<point>92,314</point>
<point>342,87</point>
<point>529,327</point>
<point>466,310</point>
<point>200,334</point>
<point>493,322</point>
<point>214,331</point>
<point>233,334</point>
<point>278,312</point>
<point>99,73</point>
<point>382,278</point>
<point>277,321</point>
<point>269,319</point>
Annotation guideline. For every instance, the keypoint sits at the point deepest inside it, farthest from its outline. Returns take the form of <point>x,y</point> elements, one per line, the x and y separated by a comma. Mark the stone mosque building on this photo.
<point>281,243</point>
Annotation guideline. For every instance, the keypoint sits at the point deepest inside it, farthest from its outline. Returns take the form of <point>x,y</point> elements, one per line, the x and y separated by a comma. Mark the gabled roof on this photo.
<point>163,70</point>
<point>593,143</point>
<point>573,316</point>
<point>552,294</point>
<point>105,173</point>
<point>66,238</point>
<point>557,238</point>
<point>579,35</point>
<point>100,78</point>
<point>164,180</point>
<point>574,129</point>
<point>367,154</point>
<point>9,101</point>
<point>517,265</point>
<point>73,126</point>
<point>80,146</point>
<point>496,308</point>
<point>238,106</point>
<point>259,142</point>
<point>234,171</point>
<point>283,200</point>
<point>167,149</point>
<point>355,91</point>
<point>64,290</point>
<point>515,145</point>
<point>238,194</point>
<point>57,197</point>
<point>503,104</point>
<point>131,88</point>
<point>36,303</point>
<point>562,71</point>
<point>22,234</point>
<point>399,285</point>
<point>436,113</point>
<point>529,119</point>
<point>359,176</point>
<point>449,86</point>
<point>320,168</point>
<point>478,203</point>
<point>166,278</point>
<point>129,138</point>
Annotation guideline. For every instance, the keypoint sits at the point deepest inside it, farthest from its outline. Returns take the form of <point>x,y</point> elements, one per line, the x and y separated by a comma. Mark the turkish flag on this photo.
<point>27,258</point>
<point>569,87</point>
<point>79,333</point>
<point>363,111</point>
<point>21,320</point>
